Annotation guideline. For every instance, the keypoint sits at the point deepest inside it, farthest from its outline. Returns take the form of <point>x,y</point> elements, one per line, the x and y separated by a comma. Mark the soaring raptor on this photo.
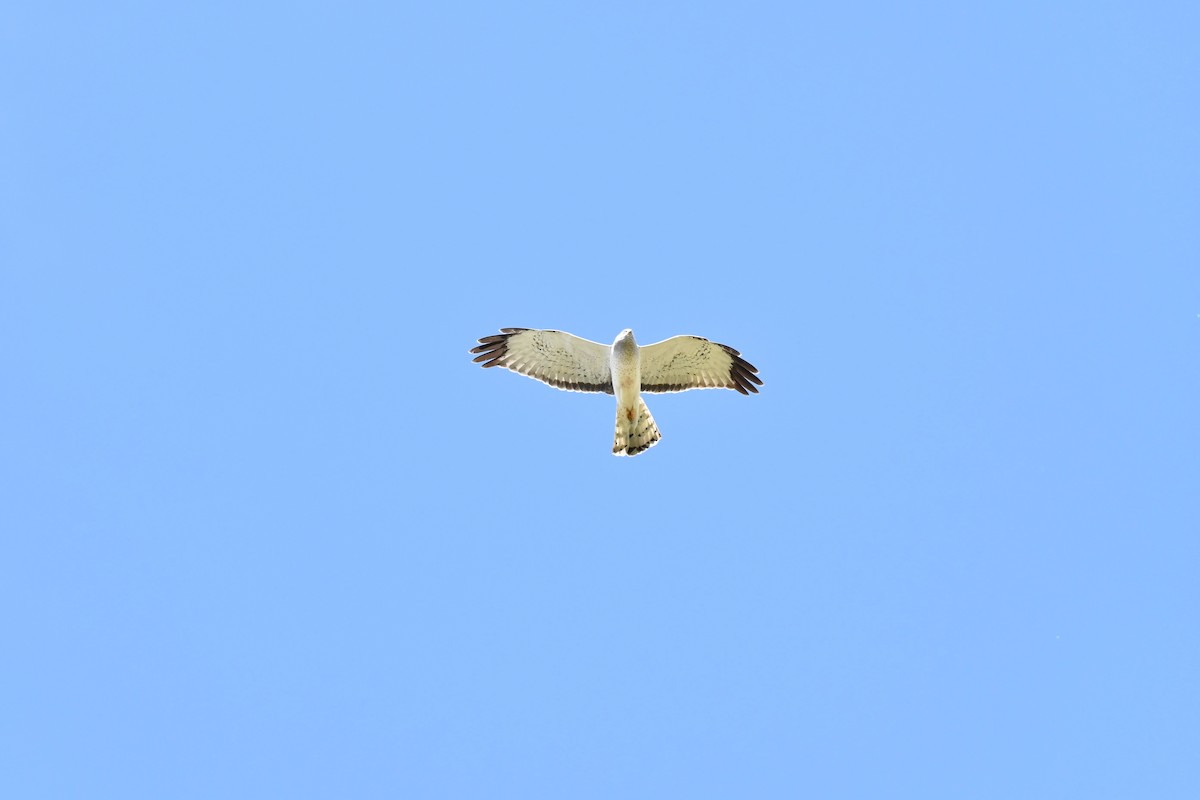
<point>624,369</point>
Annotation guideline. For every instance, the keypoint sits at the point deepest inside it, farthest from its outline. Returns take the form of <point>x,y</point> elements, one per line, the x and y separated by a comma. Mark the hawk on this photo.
<point>624,369</point>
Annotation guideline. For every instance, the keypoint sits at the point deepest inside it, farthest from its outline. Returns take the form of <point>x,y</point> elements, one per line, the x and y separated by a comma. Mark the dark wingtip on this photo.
<point>742,373</point>
<point>491,349</point>
<point>494,347</point>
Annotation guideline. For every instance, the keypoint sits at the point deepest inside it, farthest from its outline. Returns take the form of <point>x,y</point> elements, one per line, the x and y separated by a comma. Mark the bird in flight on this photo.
<point>624,369</point>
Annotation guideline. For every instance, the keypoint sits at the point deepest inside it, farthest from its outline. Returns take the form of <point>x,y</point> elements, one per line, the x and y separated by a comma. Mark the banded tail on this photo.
<point>637,434</point>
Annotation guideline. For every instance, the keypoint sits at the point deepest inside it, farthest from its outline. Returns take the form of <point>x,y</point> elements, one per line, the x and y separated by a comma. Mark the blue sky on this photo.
<point>268,532</point>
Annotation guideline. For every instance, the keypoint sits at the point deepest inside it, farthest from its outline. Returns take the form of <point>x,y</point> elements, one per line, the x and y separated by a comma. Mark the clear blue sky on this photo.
<point>268,532</point>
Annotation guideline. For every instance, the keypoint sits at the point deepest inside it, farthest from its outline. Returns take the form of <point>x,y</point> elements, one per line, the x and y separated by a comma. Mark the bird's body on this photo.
<point>624,370</point>
<point>636,430</point>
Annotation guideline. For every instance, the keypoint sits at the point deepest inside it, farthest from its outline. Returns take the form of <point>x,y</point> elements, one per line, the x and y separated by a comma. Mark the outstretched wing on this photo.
<point>559,359</point>
<point>689,362</point>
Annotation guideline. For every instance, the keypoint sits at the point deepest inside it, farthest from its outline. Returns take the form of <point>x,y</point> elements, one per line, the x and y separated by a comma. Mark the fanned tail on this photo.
<point>634,436</point>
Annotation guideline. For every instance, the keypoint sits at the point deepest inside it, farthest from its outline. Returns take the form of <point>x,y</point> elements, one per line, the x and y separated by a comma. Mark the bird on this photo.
<point>624,369</point>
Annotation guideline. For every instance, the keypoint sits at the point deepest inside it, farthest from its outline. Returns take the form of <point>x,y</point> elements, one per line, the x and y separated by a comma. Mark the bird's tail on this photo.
<point>636,430</point>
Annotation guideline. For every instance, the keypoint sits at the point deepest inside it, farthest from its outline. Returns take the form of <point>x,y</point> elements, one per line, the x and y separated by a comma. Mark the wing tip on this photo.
<point>742,372</point>
<point>491,349</point>
<point>495,346</point>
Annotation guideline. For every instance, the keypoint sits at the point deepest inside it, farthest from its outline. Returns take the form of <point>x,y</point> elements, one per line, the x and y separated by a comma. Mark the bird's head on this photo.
<point>625,337</point>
